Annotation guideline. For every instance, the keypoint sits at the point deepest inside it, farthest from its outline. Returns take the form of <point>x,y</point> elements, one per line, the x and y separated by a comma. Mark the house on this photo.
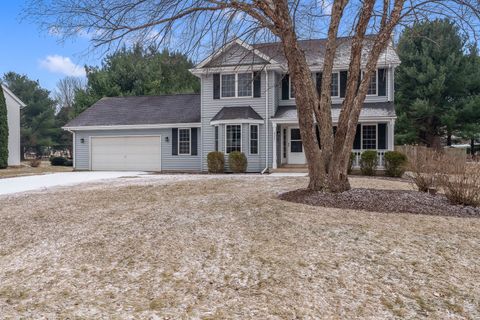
<point>246,104</point>
<point>14,104</point>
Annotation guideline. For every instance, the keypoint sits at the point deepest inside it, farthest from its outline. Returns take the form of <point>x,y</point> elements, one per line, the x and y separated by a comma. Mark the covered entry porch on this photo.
<point>373,133</point>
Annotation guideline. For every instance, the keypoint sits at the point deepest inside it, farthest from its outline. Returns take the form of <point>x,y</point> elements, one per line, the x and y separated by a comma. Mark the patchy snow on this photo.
<point>29,183</point>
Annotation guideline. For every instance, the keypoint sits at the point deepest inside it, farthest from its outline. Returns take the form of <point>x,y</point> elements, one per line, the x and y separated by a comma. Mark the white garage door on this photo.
<point>124,153</point>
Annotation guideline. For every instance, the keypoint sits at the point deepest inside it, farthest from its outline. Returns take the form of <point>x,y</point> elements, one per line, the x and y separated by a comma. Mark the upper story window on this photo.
<point>372,86</point>
<point>292,89</point>
<point>237,85</point>
<point>335,90</point>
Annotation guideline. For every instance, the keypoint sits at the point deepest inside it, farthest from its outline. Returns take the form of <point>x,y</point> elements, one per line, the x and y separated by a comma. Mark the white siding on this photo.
<point>13,117</point>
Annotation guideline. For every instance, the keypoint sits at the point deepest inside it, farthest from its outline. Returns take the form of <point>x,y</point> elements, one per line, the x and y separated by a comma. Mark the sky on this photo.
<point>26,50</point>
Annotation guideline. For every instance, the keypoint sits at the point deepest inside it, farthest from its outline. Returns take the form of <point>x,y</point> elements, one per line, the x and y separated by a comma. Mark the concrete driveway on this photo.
<point>28,183</point>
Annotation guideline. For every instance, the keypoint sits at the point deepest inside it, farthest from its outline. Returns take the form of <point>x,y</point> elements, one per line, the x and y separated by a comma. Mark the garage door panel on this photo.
<point>126,153</point>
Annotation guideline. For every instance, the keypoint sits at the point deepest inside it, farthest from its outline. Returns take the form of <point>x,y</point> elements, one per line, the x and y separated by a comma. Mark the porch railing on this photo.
<point>381,158</point>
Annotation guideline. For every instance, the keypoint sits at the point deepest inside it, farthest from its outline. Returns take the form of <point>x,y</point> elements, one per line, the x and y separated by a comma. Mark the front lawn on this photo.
<point>226,247</point>
<point>26,170</point>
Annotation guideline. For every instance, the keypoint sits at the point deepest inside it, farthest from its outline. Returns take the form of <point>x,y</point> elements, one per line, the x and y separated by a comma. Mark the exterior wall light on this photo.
<point>82,140</point>
<point>166,139</point>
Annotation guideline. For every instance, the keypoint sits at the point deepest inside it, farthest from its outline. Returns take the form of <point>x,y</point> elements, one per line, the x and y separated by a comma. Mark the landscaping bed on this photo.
<point>388,201</point>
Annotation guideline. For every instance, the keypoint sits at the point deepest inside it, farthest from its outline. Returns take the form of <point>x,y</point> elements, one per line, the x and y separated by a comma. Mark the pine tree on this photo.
<point>3,131</point>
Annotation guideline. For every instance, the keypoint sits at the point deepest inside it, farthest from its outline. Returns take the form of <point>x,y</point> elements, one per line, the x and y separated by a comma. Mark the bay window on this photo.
<point>233,138</point>
<point>253,139</point>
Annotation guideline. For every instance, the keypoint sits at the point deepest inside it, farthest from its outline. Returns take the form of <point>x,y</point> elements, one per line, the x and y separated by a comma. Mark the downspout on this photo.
<point>266,121</point>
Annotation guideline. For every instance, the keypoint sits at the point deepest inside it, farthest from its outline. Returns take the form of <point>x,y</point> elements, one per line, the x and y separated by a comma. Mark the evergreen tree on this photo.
<point>430,81</point>
<point>3,131</point>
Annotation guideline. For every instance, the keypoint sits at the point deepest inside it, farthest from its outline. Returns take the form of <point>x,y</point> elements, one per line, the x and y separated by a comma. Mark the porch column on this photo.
<point>391,133</point>
<point>274,146</point>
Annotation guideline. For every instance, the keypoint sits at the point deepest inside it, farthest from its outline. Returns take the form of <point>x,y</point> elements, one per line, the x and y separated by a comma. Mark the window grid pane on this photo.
<point>334,90</point>
<point>245,84</point>
<point>234,139</point>
<point>372,87</point>
<point>228,85</point>
<point>184,141</point>
<point>369,137</point>
<point>253,139</point>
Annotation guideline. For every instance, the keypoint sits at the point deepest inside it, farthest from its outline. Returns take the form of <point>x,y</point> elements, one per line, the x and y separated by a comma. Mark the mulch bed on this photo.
<point>389,201</point>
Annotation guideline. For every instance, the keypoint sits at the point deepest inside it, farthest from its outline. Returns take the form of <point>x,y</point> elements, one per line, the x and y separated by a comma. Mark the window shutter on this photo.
<point>194,141</point>
<point>317,131</point>
<point>257,84</point>
<point>382,82</point>
<point>358,138</point>
<point>216,86</point>
<point>343,83</point>
<point>285,88</point>
<point>174,141</point>
<point>382,136</point>
<point>318,77</point>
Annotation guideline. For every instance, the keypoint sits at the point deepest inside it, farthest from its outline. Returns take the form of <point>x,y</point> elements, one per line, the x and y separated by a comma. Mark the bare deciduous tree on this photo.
<point>65,91</point>
<point>207,24</point>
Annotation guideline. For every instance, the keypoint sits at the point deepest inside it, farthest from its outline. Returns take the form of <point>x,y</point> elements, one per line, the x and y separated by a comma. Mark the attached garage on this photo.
<point>126,153</point>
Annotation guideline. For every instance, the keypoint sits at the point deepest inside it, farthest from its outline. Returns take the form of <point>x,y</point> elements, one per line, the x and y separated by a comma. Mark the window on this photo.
<point>285,143</point>
<point>254,139</point>
<point>216,138</point>
<point>237,85</point>
<point>233,138</point>
<point>245,84</point>
<point>228,85</point>
<point>335,85</point>
<point>292,89</point>
<point>183,141</point>
<point>369,137</point>
<point>372,86</point>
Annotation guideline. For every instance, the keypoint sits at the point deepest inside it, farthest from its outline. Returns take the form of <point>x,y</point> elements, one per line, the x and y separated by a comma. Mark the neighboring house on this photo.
<point>14,104</point>
<point>246,104</point>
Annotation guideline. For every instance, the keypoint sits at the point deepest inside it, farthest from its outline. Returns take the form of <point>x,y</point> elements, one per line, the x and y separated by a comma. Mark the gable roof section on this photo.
<point>6,90</point>
<point>137,111</point>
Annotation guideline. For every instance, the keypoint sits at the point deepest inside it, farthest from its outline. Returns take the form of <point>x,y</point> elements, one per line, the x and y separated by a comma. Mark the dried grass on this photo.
<point>216,248</point>
<point>26,169</point>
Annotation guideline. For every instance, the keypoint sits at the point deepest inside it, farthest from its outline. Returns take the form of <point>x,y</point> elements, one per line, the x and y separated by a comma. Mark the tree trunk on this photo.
<point>449,139</point>
<point>472,147</point>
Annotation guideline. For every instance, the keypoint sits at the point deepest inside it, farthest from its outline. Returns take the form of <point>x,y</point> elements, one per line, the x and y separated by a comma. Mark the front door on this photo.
<point>295,147</point>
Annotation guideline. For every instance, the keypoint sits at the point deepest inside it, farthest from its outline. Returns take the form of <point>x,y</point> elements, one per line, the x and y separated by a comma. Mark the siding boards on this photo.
<point>169,161</point>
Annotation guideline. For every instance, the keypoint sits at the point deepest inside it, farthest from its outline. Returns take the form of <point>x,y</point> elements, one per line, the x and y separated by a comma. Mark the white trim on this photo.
<point>236,121</point>
<point>73,149</point>
<point>238,68</point>
<point>241,136</point>
<point>274,146</point>
<point>236,96</point>
<point>139,126</point>
<point>121,136</point>
<point>13,96</point>
<point>334,120</point>
<point>250,139</point>
<point>189,142</point>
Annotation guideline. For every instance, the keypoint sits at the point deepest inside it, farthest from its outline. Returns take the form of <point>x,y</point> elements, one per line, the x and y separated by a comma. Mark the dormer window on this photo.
<point>237,85</point>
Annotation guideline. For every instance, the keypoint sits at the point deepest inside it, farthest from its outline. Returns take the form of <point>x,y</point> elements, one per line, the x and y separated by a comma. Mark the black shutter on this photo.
<point>174,141</point>
<point>257,84</point>
<point>317,131</point>
<point>343,83</point>
<point>216,86</point>
<point>382,82</point>
<point>318,77</point>
<point>194,141</point>
<point>358,138</point>
<point>285,88</point>
<point>382,136</point>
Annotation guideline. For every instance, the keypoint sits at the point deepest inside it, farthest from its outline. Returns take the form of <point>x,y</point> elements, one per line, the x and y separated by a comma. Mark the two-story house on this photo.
<point>246,104</point>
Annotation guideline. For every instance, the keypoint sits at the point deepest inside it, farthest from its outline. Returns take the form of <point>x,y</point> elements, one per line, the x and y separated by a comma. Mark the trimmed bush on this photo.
<point>68,163</point>
<point>3,131</point>
<point>237,162</point>
<point>350,163</point>
<point>216,162</point>
<point>395,163</point>
<point>58,161</point>
<point>368,162</point>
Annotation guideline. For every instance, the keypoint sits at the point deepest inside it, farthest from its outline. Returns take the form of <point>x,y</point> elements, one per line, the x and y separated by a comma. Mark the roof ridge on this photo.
<point>150,96</point>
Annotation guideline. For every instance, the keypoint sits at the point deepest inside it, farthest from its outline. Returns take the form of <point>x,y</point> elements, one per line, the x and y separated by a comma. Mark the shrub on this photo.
<point>350,163</point>
<point>58,161</point>
<point>395,163</point>
<point>461,185</point>
<point>3,131</point>
<point>368,162</point>
<point>237,162</point>
<point>34,163</point>
<point>216,162</point>
<point>68,163</point>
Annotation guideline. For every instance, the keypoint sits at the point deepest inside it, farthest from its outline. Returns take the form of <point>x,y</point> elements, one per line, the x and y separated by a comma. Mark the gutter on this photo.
<point>266,120</point>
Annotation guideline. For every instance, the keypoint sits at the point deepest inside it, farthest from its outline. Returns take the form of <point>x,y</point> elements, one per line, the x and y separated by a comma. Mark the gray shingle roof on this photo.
<point>179,108</point>
<point>235,113</point>
<point>315,51</point>
<point>375,109</point>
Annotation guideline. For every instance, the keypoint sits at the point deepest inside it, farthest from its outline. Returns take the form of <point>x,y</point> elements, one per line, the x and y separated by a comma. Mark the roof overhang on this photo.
<point>236,121</point>
<point>135,127</point>
<point>13,96</point>
<point>334,120</point>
